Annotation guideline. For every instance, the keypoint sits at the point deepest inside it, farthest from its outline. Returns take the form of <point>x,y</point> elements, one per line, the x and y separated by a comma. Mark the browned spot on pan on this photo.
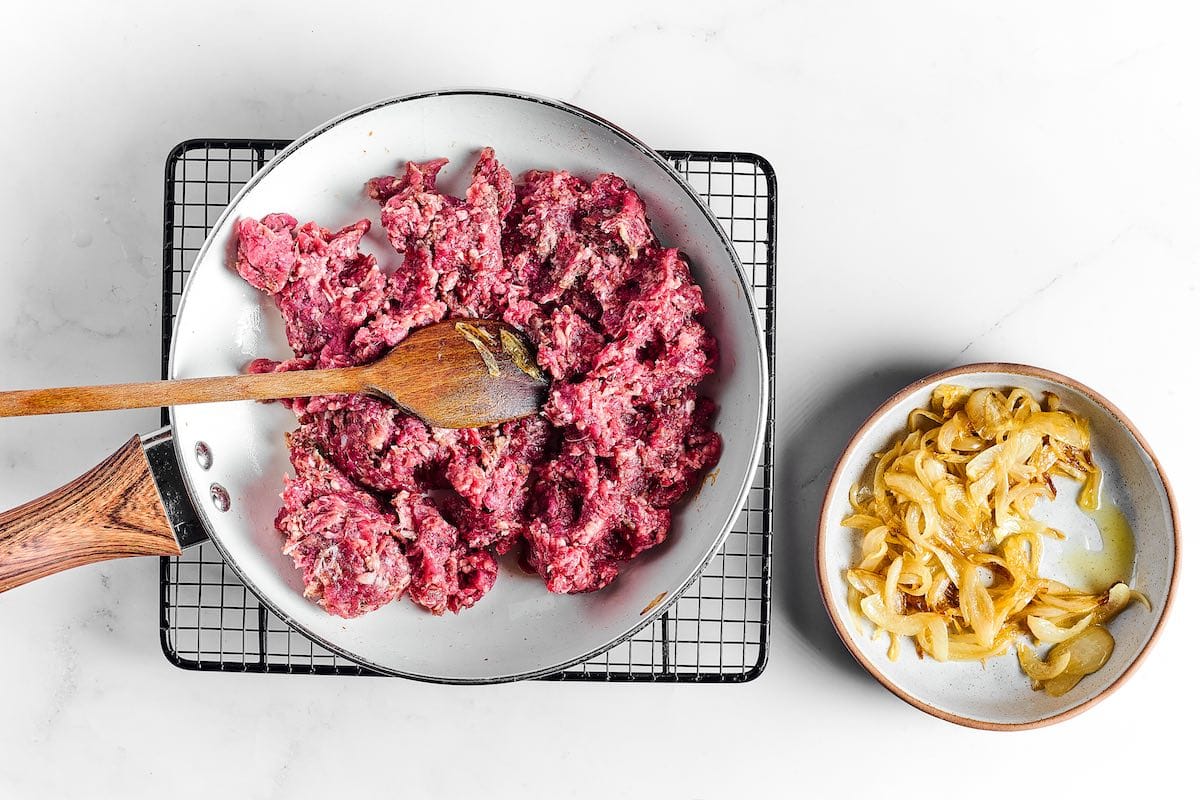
<point>652,604</point>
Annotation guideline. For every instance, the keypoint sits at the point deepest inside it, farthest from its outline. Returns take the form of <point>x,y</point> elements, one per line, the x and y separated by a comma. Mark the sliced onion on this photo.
<point>971,651</point>
<point>935,639</point>
<point>863,522</point>
<point>853,602</point>
<point>1088,653</point>
<point>874,547</point>
<point>949,398</point>
<point>1040,670</point>
<point>1048,632</point>
<point>865,582</point>
<point>1141,598</point>
<point>977,607</point>
<point>875,609</point>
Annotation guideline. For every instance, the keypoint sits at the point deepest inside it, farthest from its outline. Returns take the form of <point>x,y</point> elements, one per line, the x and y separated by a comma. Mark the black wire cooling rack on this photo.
<point>716,632</point>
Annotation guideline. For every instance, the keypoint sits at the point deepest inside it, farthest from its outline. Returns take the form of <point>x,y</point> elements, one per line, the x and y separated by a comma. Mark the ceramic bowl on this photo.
<point>997,695</point>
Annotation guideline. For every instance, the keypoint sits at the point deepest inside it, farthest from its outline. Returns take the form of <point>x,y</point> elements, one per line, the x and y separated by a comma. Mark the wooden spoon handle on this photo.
<point>267,386</point>
<point>111,511</point>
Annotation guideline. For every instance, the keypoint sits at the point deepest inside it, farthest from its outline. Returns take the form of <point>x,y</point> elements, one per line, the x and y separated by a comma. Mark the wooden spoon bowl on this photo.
<point>464,373</point>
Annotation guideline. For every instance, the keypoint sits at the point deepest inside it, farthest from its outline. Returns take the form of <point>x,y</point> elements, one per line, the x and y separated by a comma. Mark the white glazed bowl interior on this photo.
<point>998,695</point>
<point>519,629</point>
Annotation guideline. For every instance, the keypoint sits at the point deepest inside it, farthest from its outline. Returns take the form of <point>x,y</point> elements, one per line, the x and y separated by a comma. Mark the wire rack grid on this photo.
<point>717,631</point>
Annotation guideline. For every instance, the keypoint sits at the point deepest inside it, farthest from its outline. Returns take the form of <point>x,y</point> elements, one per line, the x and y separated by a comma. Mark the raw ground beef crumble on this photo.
<point>381,503</point>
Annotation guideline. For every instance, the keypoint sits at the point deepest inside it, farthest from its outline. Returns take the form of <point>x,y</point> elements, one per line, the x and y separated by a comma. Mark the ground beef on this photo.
<point>339,536</point>
<point>266,251</point>
<point>382,504</point>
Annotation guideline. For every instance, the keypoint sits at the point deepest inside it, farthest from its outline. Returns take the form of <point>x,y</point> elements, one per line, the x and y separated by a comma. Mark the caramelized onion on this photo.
<point>1088,652</point>
<point>950,549</point>
<point>1040,670</point>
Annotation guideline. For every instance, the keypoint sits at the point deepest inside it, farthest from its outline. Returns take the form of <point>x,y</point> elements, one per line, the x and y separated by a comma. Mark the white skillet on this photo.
<point>519,630</point>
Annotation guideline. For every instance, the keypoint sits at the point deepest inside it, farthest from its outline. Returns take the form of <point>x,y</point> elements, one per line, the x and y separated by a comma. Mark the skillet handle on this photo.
<point>111,511</point>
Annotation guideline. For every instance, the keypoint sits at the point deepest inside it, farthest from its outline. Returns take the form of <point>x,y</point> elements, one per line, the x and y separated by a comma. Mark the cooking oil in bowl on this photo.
<point>1101,567</point>
<point>1099,547</point>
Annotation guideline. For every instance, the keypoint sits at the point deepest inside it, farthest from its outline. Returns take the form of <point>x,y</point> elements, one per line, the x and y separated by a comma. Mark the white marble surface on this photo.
<point>1030,170</point>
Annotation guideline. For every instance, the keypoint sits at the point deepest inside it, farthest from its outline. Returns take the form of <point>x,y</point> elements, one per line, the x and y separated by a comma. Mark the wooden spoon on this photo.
<point>463,373</point>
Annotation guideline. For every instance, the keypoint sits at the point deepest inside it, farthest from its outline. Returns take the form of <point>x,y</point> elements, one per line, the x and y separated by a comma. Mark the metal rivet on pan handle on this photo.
<point>220,497</point>
<point>203,455</point>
